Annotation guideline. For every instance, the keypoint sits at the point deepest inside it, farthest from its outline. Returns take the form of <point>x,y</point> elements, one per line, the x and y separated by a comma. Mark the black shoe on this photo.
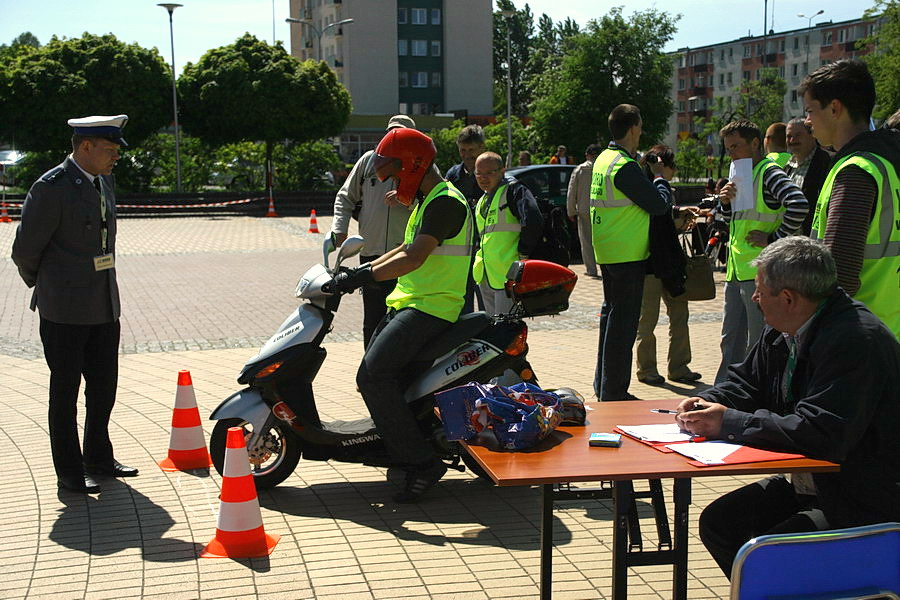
<point>652,380</point>
<point>116,469</point>
<point>689,377</point>
<point>83,484</point>
<point>628,396</point>
<point>419,481</point>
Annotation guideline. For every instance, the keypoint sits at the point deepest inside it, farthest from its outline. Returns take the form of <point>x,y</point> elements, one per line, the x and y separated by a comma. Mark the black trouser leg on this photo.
<point>765,507</point>
<point>374,307</point>
<point>101,375</point>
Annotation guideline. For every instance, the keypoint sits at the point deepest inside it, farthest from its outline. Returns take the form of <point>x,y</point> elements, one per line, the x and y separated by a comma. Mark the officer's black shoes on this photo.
<point>82,484</point>
<point>420,480</point>
<point>116,469</point>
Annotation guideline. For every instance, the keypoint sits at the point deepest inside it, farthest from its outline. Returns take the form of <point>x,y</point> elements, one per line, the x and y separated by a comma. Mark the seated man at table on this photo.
<point>824,381</point>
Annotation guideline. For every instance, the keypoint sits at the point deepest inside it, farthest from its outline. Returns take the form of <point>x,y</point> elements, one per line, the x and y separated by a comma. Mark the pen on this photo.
<point>664,411</point>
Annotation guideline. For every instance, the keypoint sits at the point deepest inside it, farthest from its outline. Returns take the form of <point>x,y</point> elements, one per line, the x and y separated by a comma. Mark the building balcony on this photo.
<point>700,68</point>
<point>700,90</point>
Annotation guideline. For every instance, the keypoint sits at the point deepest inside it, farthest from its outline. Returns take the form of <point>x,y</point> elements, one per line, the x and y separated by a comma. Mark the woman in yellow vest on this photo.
<point>431,268</point>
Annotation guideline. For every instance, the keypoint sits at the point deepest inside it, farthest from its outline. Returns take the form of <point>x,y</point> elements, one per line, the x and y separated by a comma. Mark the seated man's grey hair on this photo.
<point>800,264</point>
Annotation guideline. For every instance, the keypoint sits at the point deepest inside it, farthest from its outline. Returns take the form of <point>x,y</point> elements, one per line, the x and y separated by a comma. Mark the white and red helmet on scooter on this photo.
<point>406,154</point>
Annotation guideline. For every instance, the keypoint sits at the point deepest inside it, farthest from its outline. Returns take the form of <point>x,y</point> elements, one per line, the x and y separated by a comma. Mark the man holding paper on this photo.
<point>824,381</point>
<point>762,205</point>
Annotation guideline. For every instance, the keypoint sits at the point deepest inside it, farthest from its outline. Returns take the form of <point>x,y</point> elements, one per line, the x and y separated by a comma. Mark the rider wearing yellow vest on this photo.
<point>509,225</point>
<point>857,213</point>
<point>778,209</point>
<point>431,268</point>
<point>622,200</point>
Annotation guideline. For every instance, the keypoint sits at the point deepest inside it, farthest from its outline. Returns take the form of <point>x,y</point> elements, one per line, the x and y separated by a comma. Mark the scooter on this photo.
<point>277,410</point>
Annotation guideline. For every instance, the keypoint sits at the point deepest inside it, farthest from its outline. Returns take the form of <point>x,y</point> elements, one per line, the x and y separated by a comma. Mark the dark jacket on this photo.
<point>818,169</point>
<point>464,182</point>
<point>56,244</point>
<point>845,408</point>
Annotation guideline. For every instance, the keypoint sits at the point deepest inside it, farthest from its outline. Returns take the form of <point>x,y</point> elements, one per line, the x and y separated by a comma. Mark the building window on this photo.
<point>759,49</point>
<point>681,84</point>
<point>730,52</point>
<point>806,67</point>
<point>841,36</point>
<point>401,16</point>
<point>796,43</point>
<point>420,108</point>
<point>729,79</point>
<point>435,47</point>
<point>419,79</point>
<point>758,71</point>
<point>418,16</point>
<point>722,54</point>
<point>420,48</point>
<point>781,71</point>
<point>681,106</point>
<point>747,75</point>
<point>747,51</point>
<point>435,16</point>
<point>709,58</point>
<point>402,48</point>
<point>404,79</point>
<point>794,69</point>
<point>403,108</point>
<point>691,60</point>
<point>681,61</point>
<point>436,79</point>
<point>781,47</point>
<point>721,80</point>
<point>794,97</point>
<point>828,39</point>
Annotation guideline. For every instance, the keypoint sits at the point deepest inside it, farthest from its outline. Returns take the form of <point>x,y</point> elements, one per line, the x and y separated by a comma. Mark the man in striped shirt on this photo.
<point>778,211</point>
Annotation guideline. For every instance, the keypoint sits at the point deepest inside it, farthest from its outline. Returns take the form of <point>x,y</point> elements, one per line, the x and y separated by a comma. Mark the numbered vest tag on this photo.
<point>104,262</point>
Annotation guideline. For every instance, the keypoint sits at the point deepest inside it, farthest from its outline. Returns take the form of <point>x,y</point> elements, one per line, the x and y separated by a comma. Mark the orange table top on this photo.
<point>565,455</point>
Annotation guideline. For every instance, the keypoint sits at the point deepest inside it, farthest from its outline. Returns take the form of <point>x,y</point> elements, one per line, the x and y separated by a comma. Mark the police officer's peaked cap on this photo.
<point>102,126</point>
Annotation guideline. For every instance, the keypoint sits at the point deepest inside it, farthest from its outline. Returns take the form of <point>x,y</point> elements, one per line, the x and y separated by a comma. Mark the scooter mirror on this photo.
<point>328,247</point>
<point>351,247</point>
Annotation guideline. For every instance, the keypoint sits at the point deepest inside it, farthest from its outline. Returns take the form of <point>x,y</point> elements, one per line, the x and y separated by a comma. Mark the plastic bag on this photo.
<point>519,416</point>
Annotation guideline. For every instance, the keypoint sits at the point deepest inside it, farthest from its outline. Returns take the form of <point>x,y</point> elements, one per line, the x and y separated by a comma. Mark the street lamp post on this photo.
<point>508,14</point>
<point>319,33</point>
<point>171,9</point>
<point>808,32</point>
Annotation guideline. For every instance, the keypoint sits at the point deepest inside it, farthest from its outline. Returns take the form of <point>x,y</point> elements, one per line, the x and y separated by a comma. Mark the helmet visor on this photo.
<point>386,167</point>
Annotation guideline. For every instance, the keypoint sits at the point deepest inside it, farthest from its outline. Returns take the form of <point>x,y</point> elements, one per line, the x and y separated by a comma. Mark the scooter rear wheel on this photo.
<point>272,459</point>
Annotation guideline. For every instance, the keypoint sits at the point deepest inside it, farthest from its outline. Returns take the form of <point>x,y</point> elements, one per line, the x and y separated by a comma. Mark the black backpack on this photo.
<point>554,244</point>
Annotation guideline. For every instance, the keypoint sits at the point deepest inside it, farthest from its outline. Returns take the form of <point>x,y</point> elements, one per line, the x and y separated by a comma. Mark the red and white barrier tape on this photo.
<point>204,205</point>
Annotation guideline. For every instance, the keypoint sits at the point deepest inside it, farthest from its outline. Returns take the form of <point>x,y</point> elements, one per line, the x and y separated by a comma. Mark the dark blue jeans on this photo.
<point>374,307</point>
<point>623,290</point>
<point>397,342</point>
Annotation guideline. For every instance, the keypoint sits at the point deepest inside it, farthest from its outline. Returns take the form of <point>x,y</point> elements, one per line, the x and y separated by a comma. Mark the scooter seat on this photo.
<point>465,327</point>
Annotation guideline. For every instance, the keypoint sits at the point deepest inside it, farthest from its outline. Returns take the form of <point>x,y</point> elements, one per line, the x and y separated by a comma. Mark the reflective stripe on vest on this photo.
<point>499,230</point>
<point>759,218</point>
<point>620,229</point>
<point>438,286</point>
<point>879,277</point>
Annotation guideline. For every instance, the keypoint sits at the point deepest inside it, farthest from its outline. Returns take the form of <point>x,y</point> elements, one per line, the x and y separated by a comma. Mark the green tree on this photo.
<point>251,91</point>
<point>691,159</point>
<point>494,141</point>
<point>40,89</point>
<point>762,100</point>
<point>521,29</point>
<point>614,61</point>
<point>884,60</point>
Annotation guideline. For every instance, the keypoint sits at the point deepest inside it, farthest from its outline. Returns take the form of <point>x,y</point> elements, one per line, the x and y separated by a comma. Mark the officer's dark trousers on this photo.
<point>766,507</point>
<point>374,307</point>
<point>623,290</point>
<point>397,342</point>
<point>73,351</point>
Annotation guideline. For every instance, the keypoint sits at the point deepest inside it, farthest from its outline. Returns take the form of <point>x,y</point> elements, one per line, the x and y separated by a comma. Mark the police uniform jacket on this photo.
<point>56,244</point>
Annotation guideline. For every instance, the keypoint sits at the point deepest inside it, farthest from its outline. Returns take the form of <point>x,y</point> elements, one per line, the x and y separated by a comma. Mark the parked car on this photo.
<point>549,184</point>
<point>8,161</point>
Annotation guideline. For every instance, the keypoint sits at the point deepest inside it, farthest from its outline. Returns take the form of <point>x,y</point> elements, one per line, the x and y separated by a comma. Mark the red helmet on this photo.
<point>406,154</point>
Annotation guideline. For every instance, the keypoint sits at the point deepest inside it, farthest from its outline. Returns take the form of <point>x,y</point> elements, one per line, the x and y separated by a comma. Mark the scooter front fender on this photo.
<point>246,404</point>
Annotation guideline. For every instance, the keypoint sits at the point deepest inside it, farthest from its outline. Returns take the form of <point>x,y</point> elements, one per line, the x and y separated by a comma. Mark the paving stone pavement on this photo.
<point>202,294</point>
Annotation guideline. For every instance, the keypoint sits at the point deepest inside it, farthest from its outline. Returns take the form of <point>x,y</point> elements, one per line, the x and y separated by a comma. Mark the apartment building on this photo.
<point>430,59</point>
<point>702,75</point>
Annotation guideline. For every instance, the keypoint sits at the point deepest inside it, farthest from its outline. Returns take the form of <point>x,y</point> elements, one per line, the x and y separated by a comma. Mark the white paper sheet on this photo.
<point>658,434</point>
<point>741,175</point>
<point>709,453</point>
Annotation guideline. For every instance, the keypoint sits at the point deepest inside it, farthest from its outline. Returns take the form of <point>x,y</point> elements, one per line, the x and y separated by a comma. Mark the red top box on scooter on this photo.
<point>540,287</point>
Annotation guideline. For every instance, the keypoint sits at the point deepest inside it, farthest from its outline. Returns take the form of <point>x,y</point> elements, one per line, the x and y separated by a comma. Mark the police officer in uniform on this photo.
<point>65,249</point>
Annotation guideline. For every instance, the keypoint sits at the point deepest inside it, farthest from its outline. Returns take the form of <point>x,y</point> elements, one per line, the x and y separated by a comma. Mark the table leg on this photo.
<point>621,505</point>
<point>546,541</point>
<point>682,498</point>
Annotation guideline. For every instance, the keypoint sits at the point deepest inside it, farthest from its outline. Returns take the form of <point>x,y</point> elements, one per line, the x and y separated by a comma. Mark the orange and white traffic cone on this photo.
<point>313,225</point>
<point>4,216</point>
<point>187,444</point>
<point>239,530</point>
<point>271,212</point>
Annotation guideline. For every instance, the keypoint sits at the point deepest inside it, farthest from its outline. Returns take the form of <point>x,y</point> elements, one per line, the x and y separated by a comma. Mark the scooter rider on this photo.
<point>432,267</point>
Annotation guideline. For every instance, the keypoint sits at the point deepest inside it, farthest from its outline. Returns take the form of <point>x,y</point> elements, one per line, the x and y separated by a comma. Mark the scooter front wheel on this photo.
<point>273,457</point>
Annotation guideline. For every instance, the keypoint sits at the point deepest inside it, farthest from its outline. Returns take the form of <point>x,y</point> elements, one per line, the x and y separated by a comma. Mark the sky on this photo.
<point>204,24</point>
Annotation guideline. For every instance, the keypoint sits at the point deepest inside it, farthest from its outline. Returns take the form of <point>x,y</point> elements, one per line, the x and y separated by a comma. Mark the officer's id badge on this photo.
<point>104,262</point>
